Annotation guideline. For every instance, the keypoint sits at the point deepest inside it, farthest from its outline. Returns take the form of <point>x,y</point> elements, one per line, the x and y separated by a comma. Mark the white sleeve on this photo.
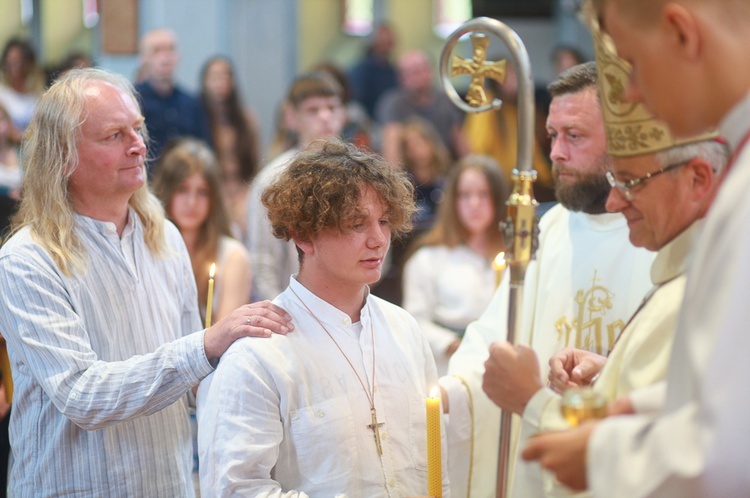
<point>639,456</point>
<point>240,430</point>
<point>49,338</point>
<point>464,388</point>
<point>649,399</point>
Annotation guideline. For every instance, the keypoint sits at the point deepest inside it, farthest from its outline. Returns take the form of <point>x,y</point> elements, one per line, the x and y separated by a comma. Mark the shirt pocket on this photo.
<point>320,433</point>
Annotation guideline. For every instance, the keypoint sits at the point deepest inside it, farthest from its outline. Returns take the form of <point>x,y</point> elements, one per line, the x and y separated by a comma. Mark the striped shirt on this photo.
<point>101,363</point>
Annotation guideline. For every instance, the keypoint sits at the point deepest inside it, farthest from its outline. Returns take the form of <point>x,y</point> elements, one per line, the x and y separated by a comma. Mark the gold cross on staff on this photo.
<point>479,69</point>
<point>375,428</point>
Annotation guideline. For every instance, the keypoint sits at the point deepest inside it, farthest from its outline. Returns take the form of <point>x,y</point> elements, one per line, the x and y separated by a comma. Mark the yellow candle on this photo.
<point>499,264</point>
<point>210,304</point>
<point>5,368</point>
<point>434,460</point>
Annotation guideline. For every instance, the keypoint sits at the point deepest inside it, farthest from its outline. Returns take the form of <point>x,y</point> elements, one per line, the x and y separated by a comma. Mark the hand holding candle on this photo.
<point>210,303</point>
<point>434,458</point>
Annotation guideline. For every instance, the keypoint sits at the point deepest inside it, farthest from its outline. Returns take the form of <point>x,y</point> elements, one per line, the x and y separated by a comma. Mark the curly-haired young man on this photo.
<point>338,409</point>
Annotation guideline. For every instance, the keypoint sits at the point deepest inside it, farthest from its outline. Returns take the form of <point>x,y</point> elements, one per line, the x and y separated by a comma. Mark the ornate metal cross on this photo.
<point>479,69</point>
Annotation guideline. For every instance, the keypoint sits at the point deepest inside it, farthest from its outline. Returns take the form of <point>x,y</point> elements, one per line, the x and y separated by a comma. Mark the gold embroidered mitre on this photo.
<point>631,129</point>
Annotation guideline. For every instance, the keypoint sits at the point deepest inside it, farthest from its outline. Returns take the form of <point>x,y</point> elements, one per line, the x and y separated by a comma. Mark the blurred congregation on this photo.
<point>376,79</point>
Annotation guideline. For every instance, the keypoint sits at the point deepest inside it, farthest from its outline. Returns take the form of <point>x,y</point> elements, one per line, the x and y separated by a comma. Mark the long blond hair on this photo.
<point>49,156</point>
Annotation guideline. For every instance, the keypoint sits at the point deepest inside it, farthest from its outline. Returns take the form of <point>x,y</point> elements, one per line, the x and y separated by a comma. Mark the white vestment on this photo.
<point>700,445</point>
<point>287,416</point>
<point>445,289</point>
<point>272,260</point>
<point>640,358</point>
<point>586,282</point>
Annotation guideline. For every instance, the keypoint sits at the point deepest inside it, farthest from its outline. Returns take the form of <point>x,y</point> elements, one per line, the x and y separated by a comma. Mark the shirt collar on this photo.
<point>324,311</point>
<point>602,222</point>
<point>107,228</point>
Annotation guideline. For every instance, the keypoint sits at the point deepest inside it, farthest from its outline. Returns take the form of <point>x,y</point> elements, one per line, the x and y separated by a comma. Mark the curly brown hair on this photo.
<point>322,189</point>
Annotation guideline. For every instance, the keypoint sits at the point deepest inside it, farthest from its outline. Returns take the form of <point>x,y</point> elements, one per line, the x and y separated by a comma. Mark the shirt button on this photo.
<point>74,395</point>
<point>320,414</point>
<point>392,483</point>
<point>346,321</point>
<point>383,436</point>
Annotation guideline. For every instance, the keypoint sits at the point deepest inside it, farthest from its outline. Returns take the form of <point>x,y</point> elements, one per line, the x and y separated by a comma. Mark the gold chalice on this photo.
<point>582,403</point>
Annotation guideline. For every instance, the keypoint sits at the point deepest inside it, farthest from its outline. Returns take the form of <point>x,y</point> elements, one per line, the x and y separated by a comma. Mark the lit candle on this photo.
<point>210,304</point>
<point>5,368</point>
<point>434,460</point>
<point>499,264</point>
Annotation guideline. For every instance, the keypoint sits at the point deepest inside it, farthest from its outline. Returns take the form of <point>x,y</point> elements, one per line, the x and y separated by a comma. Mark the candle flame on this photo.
<point>435,392</point>
<point>499,262</point>
<point>212,271</point>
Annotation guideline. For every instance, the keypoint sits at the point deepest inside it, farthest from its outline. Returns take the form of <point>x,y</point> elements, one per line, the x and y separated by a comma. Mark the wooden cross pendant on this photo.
<point>375,428</point>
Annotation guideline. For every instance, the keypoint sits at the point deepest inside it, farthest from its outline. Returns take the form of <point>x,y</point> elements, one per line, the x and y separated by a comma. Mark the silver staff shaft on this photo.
<point>506,418</point>
<point>521,228</point>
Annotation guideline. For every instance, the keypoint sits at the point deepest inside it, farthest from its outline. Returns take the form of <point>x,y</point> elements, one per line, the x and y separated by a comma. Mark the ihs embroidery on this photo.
<point>588,324</point>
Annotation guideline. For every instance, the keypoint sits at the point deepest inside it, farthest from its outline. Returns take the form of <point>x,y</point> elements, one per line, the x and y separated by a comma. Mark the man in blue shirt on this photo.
<point>169,111</point>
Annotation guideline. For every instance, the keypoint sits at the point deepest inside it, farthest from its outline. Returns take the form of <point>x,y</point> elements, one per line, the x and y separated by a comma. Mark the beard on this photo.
<point>588,191</point>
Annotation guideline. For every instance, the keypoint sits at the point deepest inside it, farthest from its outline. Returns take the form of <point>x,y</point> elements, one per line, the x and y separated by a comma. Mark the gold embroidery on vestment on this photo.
<point>585,330</point>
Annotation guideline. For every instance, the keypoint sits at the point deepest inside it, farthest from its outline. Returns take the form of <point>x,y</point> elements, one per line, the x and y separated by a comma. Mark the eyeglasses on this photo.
<point>626,187</point>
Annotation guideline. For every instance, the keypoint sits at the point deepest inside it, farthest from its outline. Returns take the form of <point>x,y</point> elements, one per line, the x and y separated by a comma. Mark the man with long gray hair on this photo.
<point>99,307</point>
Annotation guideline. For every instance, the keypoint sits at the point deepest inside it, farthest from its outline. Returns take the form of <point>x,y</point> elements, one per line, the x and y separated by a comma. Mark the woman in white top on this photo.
<point>449,280</point>
<point>187,180</point>
<point>21,82</point>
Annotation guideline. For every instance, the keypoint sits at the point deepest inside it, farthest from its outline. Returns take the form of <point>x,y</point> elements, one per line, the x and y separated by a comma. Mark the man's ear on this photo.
<point>704,179</point>
<point>682,28</point>
<point>303,243</point>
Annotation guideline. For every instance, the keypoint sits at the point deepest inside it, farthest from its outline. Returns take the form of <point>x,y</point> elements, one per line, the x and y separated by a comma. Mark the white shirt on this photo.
<point>20,106</point>
<point>101,363</point>
<point>445,289</point>
<point>640,358</point>
<point>287,416</point>
<point>273,260</point>
<point>700,446</point>
<point>586,282</point>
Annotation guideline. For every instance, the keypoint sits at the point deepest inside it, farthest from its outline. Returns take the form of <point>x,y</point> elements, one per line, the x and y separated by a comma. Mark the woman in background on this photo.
<point>21,82</point>
<point>235,135</point>
<point>188,183</point>
<point>449,279</point>
<point>427,160</point>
